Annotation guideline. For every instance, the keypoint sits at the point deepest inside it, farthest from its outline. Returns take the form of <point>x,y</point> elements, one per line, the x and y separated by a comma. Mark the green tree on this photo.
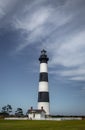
<point>7,109</point>
<point>19,112</point>
<point>4,109</point>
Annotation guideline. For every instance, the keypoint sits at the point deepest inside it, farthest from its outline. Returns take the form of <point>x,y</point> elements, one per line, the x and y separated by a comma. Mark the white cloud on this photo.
<point>67,50</point>
<point>1,13</point>
<point>37,18</point>
<point>73,72</point>
<point>77,78</point>
<point>36,23</point>
<point>53,24</point>
<point>2,8</point>
<point>33,26</point>
<point>71,52</point>
<point>6,5</point>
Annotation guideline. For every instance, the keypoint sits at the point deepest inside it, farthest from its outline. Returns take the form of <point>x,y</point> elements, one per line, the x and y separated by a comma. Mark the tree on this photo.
<point>4,110</point>
<point>19,112</point>
<point>7,109</point>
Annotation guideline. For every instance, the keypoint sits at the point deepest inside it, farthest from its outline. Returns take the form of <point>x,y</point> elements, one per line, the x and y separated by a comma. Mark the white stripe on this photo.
<point>45,106</point>
<point>43,86</point>
<point>43,67</point>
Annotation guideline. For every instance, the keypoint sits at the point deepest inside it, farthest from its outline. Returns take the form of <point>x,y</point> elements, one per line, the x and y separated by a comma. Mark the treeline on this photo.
<point>66,116</point>
<point>6,111</point>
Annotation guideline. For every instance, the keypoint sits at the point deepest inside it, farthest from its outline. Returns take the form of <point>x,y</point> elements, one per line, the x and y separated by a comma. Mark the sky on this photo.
<point>27,27</point>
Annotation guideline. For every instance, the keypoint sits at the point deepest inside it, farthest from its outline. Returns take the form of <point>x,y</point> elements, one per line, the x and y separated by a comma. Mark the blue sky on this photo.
<point>28,26</point>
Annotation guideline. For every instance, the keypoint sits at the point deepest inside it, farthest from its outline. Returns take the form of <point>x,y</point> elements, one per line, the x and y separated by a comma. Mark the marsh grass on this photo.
<point>41,125</point>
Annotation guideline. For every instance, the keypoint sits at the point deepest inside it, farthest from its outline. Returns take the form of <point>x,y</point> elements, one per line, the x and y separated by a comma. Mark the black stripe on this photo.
<point>43,59</point>
<point>43,97</point>
<point>43,76</point>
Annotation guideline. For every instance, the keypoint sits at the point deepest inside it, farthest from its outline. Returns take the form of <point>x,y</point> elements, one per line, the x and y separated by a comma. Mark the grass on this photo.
<point>41,125</point>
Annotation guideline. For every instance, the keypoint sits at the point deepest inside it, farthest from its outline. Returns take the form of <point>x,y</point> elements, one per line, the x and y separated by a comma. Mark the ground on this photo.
<point>41,125</point>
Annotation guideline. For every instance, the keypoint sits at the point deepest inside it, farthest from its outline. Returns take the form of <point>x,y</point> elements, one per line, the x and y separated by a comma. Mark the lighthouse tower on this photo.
<point>43,92</point>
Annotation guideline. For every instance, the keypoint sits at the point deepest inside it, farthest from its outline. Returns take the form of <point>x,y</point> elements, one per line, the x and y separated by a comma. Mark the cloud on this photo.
<point>7,11</point>
<point>74,74</point>
<point>71,52</point>
<point>40,23</point>
<point>36,19</point>
<point>6,6</point>
<point>39,19</point>
<point>77,78</point>
<point>57,26</point>
<point>33,26</point>
<point>2,8</point>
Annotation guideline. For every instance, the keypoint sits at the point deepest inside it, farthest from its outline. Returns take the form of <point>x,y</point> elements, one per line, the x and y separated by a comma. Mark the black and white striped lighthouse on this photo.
<point>43,92</point>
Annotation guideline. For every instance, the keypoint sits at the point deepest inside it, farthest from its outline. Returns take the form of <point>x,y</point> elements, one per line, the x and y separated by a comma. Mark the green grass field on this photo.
<point>41,125</point>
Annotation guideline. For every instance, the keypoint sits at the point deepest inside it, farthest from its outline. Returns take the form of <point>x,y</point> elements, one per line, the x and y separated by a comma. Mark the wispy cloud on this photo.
<point>71,52</point>
<point>51,26</point>
<point>33,26</point>
<point>57,26</point>
<point>71,55</point>
<point>34,20</point>
<point>42,22</point>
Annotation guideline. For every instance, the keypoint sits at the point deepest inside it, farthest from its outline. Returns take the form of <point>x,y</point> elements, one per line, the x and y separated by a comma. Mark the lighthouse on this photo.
<point>43,91</point>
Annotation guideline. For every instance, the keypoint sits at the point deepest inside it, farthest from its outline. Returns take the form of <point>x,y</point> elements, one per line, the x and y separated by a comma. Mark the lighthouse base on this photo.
<point>45,106</point>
